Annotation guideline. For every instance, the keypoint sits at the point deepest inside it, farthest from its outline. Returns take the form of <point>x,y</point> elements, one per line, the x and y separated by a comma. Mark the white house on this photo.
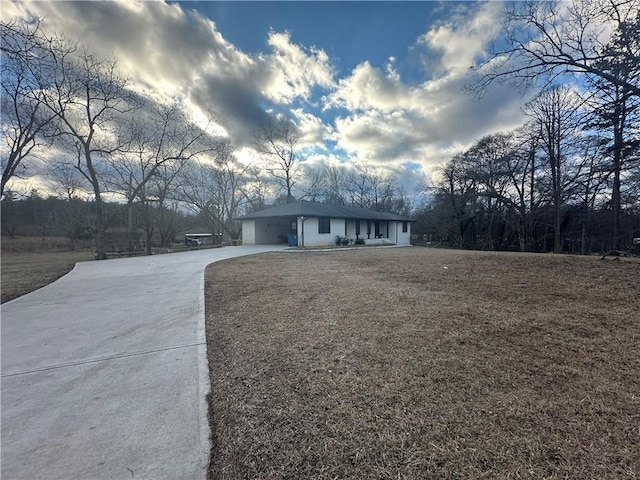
<point>313,224</point>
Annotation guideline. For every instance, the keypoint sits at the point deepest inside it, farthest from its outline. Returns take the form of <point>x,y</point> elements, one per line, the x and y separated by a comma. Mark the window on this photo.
<point>377,229</point>
<point>324,225</point>
<point>404,227</point>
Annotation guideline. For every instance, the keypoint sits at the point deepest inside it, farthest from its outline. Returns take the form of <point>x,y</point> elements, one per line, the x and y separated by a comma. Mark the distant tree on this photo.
<point>485,163</point>
<point>256,189</point>
<point>10,213</point>
<point>217,189</point>
<point>335,184</point>
<point>357,185</point>
<point>277,143</point>
<point>313,185</point>
<point>456,196</point>
<point>555,112</point>
<point>590,182</point>
<point>71,188</point>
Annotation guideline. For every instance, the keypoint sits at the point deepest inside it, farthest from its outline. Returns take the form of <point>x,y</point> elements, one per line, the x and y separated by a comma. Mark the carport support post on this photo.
<point>302,219</point>
<point>129,215</point>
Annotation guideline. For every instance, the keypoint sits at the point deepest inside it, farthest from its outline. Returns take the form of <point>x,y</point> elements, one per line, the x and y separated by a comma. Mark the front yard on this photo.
<point>418,363</point>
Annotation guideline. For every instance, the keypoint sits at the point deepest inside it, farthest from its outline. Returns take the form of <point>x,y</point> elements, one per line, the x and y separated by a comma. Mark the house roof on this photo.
<point>315,209</point>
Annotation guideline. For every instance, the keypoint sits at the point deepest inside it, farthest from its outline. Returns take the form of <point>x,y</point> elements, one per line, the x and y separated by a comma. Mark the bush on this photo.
<point>338,240</point>
<point>359,241</point>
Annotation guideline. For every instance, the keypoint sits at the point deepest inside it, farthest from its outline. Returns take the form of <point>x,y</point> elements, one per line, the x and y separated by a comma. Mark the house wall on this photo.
<point>314,239</point>
<point>248,232</point>
<point>403,238</point>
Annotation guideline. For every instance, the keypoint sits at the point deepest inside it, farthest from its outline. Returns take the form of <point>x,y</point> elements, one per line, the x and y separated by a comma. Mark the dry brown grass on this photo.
<point>28,264</point>
<point>420,363</point>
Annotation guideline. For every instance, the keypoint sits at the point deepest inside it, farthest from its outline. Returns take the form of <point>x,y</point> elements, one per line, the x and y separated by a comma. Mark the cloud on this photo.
<point>371,114</point>
<point>461,39</point>
<point>169,52</point>
<point>294,70</point>
<point>388,121</point>
<point>368,87</point>
<point>313,131</point>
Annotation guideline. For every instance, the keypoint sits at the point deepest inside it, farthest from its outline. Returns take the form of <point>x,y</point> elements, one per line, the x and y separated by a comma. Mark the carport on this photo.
<point>271,230</point>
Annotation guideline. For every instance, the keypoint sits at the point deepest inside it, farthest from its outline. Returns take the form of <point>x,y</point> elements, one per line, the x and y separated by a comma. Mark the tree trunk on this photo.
<point>615,193</point>
<point>585,232</point>
<point>101,254</point>
<point>148,234</point>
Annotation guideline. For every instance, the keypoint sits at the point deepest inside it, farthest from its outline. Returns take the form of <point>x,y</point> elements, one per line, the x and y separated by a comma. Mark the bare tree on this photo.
<point>457,194</point>
<point>25,71</point>
<point>255,189</point>
<point>553,38</point>
<point>556,114</point>
<point>590,182</point>
<point>161,145</point>
<point>616,115</point>
<point>216,190</point>
<point>520,193</point>
<point>357,185</point>
<point>89,98</point>
<point>71,187</point>
<point>486,163</point>
<point>335,184</point>
<point>277,143</point>
<point>314,184</point>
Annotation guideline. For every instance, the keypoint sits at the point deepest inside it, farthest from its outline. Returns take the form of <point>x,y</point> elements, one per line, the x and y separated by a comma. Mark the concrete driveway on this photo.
<point>104,372</point>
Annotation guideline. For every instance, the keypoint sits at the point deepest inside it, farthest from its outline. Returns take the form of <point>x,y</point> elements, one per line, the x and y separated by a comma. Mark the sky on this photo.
<point>376,83</point>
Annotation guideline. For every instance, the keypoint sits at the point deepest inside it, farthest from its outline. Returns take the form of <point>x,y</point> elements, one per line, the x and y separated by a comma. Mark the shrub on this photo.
<point>359,241</point>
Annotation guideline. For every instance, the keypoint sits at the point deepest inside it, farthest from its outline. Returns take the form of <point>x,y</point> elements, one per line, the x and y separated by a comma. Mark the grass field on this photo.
<point>30,263</point>
<point>421,363</point>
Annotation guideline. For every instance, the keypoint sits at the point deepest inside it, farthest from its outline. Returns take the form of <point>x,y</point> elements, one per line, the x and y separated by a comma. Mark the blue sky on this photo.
<point>376,83</point>
<point>350,32</point>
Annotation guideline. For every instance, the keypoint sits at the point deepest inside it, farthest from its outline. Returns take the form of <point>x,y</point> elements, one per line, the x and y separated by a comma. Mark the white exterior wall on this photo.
<point>311,236</point>
<point>403,238</point>
<point>248,232</point>
<point>314,239</point>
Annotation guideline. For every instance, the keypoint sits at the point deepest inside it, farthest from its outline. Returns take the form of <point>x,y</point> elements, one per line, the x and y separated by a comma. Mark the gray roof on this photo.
<point>315,209</point>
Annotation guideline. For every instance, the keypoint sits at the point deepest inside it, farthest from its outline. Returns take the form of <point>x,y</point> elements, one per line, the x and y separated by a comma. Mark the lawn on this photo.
<point>29,264</point>
<point>421,363</point>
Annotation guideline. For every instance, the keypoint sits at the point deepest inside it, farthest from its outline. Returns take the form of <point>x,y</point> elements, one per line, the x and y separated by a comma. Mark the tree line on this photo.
<point>569,177</point>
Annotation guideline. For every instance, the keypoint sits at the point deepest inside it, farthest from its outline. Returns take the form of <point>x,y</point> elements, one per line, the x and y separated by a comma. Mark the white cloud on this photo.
<point>170,52</point>
<point>295,70</point>
<point>389,121</point>
<point>368,87</point>
<point>462,39</point>
<point>312,130</point>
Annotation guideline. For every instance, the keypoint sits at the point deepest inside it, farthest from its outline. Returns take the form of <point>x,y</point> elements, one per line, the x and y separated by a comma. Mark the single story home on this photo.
<point>313,224</point>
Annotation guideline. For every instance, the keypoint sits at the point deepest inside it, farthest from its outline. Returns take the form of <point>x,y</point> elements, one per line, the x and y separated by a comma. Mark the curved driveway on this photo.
<point>104,372</point>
